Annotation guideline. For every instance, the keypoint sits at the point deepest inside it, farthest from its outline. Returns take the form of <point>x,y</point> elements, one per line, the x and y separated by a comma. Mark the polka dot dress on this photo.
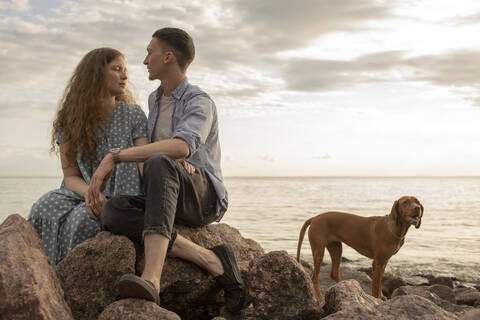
<point>60,216</point>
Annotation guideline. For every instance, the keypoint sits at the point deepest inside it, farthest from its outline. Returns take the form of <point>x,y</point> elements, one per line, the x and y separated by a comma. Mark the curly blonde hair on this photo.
<point>81,112</point>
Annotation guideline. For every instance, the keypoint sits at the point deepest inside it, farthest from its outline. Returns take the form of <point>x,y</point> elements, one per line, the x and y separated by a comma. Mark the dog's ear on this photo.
<point>394,212</point>
<point>419,217</point>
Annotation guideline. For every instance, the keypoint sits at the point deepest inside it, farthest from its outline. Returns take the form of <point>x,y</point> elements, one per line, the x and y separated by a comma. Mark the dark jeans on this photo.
<point>172,195</point>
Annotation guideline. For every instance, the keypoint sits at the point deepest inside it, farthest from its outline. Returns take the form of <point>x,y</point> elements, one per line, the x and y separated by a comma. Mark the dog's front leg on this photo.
<point>378,268</point>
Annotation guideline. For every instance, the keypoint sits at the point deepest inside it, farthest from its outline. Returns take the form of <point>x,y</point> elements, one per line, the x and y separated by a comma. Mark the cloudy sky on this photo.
<point>306,87</point>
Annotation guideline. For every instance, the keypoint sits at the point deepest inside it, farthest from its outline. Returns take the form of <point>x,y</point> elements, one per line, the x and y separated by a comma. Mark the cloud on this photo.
<point>19,108</point>
<point>237,41</point>
<point>273,26</point>
<point>15,5</point>
<point>324,75</point>
<point>238,45</point>
<point>468,19</point>
<point>448,69</point>
<point>454,68</point>
<point>268,158</point>
<point>325,156</point>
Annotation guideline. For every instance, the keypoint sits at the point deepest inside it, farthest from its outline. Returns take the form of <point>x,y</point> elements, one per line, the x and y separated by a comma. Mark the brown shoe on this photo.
<point>132,286</point>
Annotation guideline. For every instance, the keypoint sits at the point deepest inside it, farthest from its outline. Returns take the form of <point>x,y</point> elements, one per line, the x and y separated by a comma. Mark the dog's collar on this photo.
<point>391,230</point>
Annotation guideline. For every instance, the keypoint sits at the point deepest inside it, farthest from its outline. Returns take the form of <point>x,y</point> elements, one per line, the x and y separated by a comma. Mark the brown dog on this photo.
<point>377,238</point>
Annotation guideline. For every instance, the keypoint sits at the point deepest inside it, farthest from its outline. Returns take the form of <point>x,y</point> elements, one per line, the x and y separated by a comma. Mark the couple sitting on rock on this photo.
<point>115,180</point>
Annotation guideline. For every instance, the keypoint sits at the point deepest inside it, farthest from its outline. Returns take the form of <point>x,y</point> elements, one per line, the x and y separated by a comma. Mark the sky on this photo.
<point>302,88</point>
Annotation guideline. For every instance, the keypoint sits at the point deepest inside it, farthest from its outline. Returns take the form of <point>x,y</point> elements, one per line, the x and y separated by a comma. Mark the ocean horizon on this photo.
<point>272,209</point>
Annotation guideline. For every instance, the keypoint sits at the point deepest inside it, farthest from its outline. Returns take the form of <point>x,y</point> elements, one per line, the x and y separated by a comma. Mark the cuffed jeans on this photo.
<point>172,195</point>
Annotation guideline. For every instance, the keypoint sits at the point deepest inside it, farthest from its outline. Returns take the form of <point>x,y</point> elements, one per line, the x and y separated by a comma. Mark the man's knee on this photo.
<point>110,217</point>
<point>158,163</point>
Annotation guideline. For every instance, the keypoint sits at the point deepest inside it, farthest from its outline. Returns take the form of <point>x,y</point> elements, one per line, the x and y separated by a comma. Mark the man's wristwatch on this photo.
<point>115,155</point>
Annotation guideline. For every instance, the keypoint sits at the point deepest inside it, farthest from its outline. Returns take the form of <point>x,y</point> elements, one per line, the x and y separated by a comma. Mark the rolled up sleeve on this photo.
<point>194,126</point>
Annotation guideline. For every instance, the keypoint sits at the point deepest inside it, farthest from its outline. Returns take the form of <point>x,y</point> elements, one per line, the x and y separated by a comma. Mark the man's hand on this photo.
<point>95,199</point>
<point>188,167</point>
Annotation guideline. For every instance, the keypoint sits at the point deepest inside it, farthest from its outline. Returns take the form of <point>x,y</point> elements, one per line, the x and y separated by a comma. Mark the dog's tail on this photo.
<point>300,237</point>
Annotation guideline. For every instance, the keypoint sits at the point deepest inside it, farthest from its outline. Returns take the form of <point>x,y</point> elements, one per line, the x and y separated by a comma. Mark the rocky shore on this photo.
<point>84,285</point>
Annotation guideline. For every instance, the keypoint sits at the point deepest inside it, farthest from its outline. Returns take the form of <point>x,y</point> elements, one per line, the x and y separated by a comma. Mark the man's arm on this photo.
<point>140,142</point>
<point>175,148</point>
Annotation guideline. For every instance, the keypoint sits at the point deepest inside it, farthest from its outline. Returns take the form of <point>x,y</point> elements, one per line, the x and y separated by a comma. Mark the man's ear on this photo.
<point>169,57</point>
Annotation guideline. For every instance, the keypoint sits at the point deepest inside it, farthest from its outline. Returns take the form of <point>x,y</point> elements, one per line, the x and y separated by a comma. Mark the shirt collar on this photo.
<point>178,92</point>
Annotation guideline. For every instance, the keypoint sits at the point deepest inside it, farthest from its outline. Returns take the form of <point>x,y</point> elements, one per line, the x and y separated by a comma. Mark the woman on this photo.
<point>95,115</point>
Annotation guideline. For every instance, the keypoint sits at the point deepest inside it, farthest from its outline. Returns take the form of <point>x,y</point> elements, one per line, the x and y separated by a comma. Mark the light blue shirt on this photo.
<point>195,121</point>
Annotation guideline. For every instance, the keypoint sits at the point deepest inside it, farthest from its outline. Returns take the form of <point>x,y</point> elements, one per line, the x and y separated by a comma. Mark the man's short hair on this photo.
<point>179,42</point>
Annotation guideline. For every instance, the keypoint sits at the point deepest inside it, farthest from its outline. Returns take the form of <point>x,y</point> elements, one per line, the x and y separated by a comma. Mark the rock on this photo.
<point>412,307</point>
<point>346,273</point>
<point>347,294</point>
<point>468,296</point>
<point>347,300</point>
<point>188,290</point>
<point>390,283</point>
<point>446,281</point>
<point>473,314</point>
<point>136,309</point>
<point>281,289</point>
<point>368,271</point>
<point>90,273</point>
<point>443,291</point>
<point>429,293</point>
<point>29,288</point>
<point>417,280</point>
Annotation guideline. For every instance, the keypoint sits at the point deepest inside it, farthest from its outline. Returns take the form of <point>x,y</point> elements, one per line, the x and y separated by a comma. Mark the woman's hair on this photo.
<point>81,111</point>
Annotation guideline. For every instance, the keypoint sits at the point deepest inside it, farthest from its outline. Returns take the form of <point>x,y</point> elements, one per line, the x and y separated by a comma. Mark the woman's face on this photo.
<point>116,76</point>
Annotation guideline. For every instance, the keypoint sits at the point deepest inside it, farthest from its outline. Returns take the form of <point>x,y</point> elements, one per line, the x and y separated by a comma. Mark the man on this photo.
<point>182,177</point>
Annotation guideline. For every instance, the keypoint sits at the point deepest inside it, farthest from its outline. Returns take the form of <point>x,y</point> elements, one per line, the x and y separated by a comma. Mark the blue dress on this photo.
<point>60,216</point>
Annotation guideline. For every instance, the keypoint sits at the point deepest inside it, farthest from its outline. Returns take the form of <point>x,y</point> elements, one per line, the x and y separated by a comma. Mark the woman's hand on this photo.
<point>93,211</point>
<point>99,181</point>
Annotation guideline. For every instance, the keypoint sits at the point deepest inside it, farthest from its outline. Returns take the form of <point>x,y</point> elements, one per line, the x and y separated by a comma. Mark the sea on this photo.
<point>271,211</point>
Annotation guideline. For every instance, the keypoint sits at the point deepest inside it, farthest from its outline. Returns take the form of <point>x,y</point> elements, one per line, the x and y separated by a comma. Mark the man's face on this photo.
<point>155,60</point>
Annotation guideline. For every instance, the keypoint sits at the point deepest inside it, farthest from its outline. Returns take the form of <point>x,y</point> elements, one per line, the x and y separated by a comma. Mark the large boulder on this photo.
<point>446,281</point>
<point>348,296</point>
<point>471,315</point>
<point>29,288</point>
<point>443,291</point>
<point>347,300</point>
<point>136,309</point>
<point>468,296</point>
<point>90,273</point>
<point>281,289</point>
<point>189,290</point>
<point>430,293</point>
